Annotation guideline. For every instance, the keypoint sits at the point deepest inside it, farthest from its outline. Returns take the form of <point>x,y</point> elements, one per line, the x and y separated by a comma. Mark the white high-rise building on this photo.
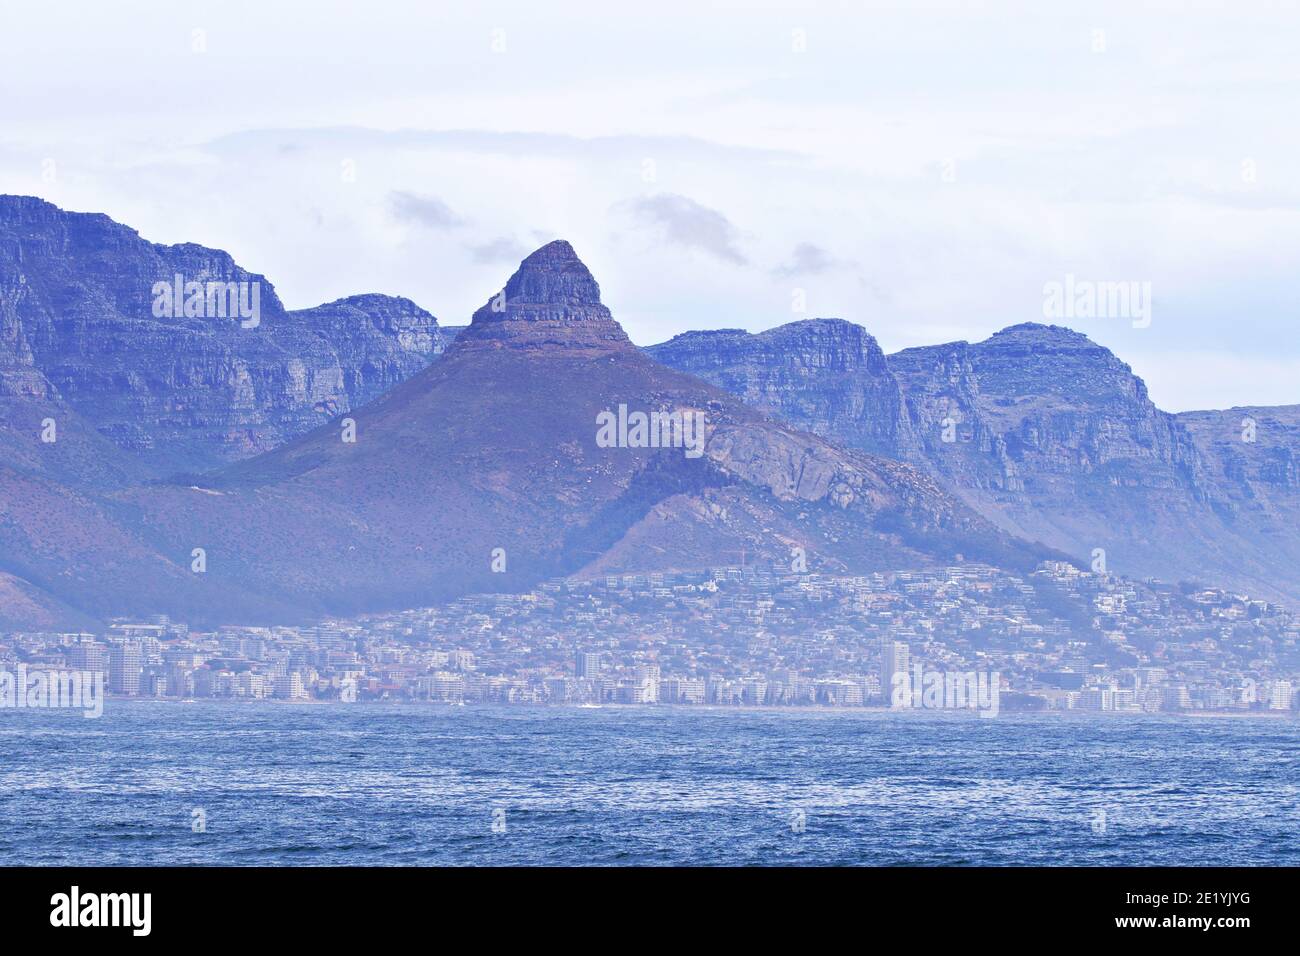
<point>290,687</point>
<point>1280,695</point>
<point>895,658</point>
<point>124,667</point>
<point>587,665</point>
<point>648,675</point>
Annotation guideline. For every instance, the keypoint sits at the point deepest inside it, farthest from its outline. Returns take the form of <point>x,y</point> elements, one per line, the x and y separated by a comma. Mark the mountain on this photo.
<point>1252,453</point>
<point>498,445</point>
<point>826,376</point>
<point>97,393</point>
<point>324,462</point>
<point>83,319</point>
<point>56,534</point>
<point>1046,434</point>
<point>1057,440</point>
<point>69,553</point>
<point>1252,463</point>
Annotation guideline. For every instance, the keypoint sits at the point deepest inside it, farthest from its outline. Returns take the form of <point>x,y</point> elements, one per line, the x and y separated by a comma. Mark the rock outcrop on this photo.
<point>826,376</point>
<point>184,384</point>
<point>1046,434</point>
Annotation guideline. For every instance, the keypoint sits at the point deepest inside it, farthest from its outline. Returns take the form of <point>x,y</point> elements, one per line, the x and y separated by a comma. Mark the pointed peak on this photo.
<point>553,275</point>
<point>555,250</point>
<point>552,301</point>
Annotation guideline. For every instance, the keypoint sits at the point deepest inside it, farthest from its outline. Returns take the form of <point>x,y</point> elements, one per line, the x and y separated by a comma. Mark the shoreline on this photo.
<point>712,708</point>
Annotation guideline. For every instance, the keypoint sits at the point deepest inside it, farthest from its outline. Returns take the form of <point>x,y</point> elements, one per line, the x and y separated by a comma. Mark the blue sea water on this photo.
<point>408,784</point>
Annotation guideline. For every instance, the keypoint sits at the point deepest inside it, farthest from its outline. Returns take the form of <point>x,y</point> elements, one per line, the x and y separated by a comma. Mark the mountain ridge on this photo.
<point>81,318</point>
<point>1053,438</point>
<point>1032,443</point>
<point>407,499</point>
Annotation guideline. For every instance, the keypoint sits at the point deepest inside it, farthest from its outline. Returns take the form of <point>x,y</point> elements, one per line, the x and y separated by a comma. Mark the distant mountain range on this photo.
<point>1051,437</point>
<point>357,456</point>
<point>77,321</point>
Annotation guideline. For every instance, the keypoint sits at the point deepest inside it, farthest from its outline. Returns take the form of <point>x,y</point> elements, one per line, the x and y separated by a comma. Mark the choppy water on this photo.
<point>311,784</point>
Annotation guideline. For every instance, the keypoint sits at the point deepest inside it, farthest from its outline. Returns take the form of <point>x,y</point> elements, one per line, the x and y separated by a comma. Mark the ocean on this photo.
<point>262,784</point>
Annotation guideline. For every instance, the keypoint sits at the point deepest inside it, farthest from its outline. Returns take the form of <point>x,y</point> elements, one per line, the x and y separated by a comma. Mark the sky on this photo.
<point>926,170</point>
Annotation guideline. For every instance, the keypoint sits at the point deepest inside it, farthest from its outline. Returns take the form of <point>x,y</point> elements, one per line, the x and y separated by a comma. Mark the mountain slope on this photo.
<point>79,320</point>
<point>1046,434</point>
<point>496,445</point>
<point>99,393</point>
<point>1252,465</point>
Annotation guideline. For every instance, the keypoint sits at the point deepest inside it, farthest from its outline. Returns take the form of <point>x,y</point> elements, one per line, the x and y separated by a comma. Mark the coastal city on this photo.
<point>1059,638</point>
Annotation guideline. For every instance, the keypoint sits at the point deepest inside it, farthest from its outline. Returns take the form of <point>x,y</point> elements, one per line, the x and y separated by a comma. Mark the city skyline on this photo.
<point>1149,648</point>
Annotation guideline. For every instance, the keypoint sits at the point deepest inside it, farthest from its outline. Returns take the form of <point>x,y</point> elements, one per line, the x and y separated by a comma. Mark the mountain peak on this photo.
<point>551,300</point>
<point>376,303</point>
<point>13,201</point>
<point>1039,332</point>
<point>553,275</point>
<point>36,215</point>
<point>822,328</point>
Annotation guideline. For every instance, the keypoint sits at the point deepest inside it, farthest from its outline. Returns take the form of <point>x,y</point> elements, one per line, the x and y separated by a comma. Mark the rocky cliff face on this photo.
<point>1044,413</point>
<point>1252,463</point>
<point>826,376</point>
<point>1046,434</point>
<point>181,387</point>
<point>1052,437</point>
<point>376,342</point>
<point>1251,451</point>
<point>552,302</point>
<point>1042,404</point>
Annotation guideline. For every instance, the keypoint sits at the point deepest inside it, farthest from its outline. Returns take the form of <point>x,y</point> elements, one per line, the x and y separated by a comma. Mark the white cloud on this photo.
<point>808,258</point>
<point>427,211</point>
<point>686,223</point>
<point>503,249</point>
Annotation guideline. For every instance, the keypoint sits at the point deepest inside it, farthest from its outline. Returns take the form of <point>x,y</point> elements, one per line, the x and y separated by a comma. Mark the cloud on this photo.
<point>687,223</point>
<point>608,148</point>
<point>809,259</point>
<point>501,249</point>
<point>427,211</point>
